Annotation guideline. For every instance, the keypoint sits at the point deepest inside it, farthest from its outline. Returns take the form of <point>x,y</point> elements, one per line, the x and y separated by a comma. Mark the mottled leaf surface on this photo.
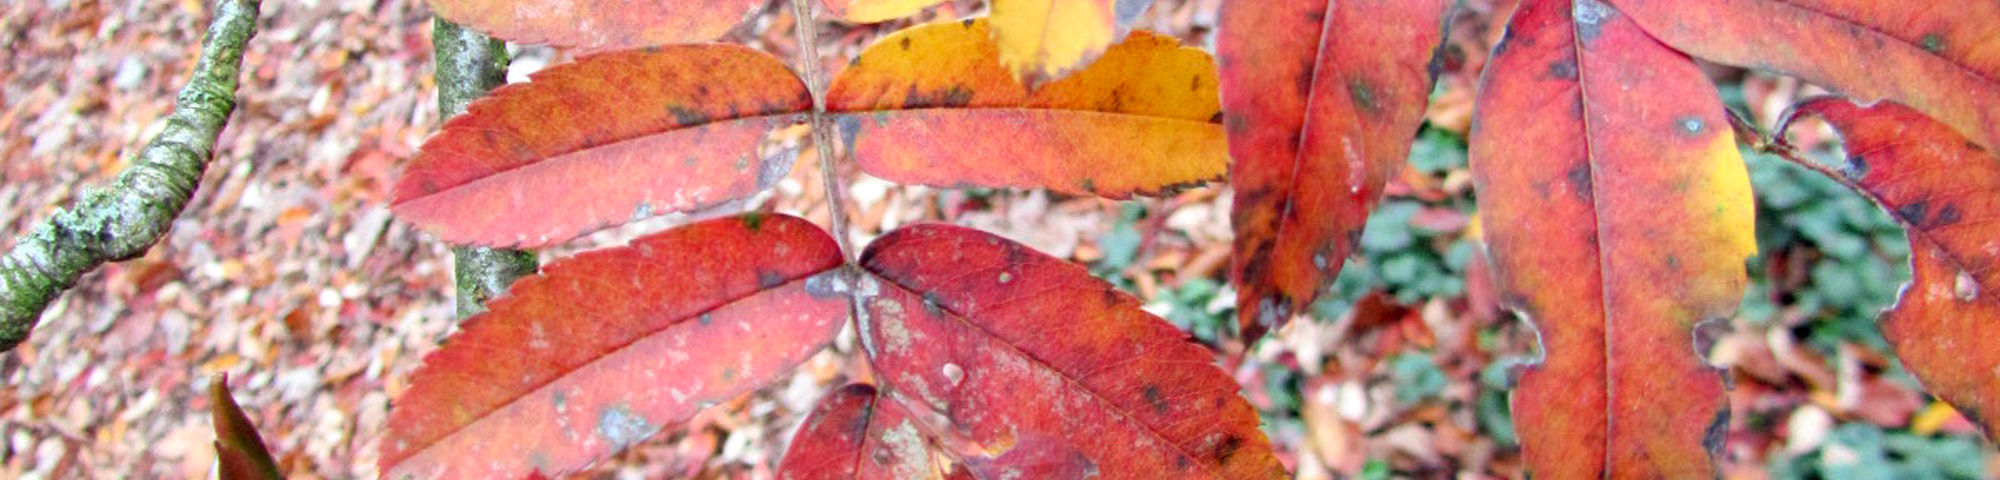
<point>1044,371</point>
<point>1946,190</point>
<point>932,105</point>
<point>1045,39</point>
<point>239,452</point>
<point>1321,100</point>
<point>871,11</point>
<point>604,349</point>
<point>1618,216</point>
<point>600,23</point>
<point>609,138</point>
<point>1942,58</point>
<point>853,435</point>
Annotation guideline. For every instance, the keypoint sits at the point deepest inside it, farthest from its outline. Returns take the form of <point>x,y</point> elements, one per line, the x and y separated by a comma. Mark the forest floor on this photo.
<point>288,272</point>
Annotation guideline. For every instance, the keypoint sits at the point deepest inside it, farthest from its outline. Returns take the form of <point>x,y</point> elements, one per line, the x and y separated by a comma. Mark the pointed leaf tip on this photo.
<point>239,451</point>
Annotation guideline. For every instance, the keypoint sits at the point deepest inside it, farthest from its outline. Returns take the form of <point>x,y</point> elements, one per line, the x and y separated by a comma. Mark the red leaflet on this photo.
<point>239,451</point>
<point>604,349</point>
<point>1942,58</point>
<point>610,138</point>
<point>1046,371</point>
<point>1946,190</point>
<point>1618,215</point>
<point>600,23</point>
<point>853,435</point>
<point>1322,100</point>
<point>932,105</point>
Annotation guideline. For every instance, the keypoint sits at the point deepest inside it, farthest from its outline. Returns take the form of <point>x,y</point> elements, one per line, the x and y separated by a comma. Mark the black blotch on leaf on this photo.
<point>1157,400</point>
<point>1365,96</point>
<point>753,221</point>
<point>906,43</point>
<point>1946,216</point>
<point>1227,448</point>
<point>768,279</point>
<point>1914,212</point>
<point>686,116</point>
<point>1933,42</point>
<point>1856,168</point>
<point>1579,181</point>
<point>1564,69</point>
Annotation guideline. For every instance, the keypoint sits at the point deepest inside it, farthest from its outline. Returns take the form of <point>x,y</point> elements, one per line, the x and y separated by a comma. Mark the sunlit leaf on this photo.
<point>1618,216</point>
<point>1942,58</point>
<point>853,435</point>
<point>1045,39</point>
<point>602,350</point>
<point>600,23</point>
<point>239,452</point>
<point>932,105</point>
<point>609,138</point>
<point>1946,191</point>
<point>1042,371</point>
<point>1322,99</point>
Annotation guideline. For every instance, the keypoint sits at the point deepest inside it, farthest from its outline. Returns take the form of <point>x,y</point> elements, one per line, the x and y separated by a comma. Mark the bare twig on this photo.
<point>469,64</point>
<point>122,221</point>
<point>836,197</point>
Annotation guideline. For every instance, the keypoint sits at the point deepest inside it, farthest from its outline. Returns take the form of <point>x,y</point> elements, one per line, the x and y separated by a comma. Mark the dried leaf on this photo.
<point>609,138</point>
<point>1322,101</point>
<point>1946,191</point>
<point>600,23</point>
<point>852,435</point>
<point>602,350</point>
<point>239,452</point>
<point>1043,370</point>
<point>1935,57</point>
<point>931,105</point>
<point>1618,216</point>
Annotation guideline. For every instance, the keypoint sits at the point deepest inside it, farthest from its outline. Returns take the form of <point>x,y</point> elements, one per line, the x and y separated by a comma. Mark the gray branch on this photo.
<point>122,221</point>
<point>469,64</point>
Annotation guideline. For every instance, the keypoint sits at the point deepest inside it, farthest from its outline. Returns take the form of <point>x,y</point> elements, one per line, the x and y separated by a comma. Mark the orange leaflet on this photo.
<point>1947,191</point>
<point>1942,58</point>
<point>852,435</point>
<point>1618,216</point>
<point>1045,371</point>
<point>1322,99</point>
<point>602,350</point>
<point>605,24</point>
<point>932,105</point>
<point>239,451</point>
<point>612,137</point>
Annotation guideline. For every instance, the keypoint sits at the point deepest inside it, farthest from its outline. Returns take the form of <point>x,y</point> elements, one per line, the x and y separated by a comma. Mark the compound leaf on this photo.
<point>853,435</point>
<point>1043,371</point>
<point>609,138</point>
<point>1942,58</point>
<point>932,105</point>
<point>606,24</point>
<point>1946,191</point>
<point>602,350</point>
<point>1321,101</point>
<point>239,452</point>
<point>1618,216</point>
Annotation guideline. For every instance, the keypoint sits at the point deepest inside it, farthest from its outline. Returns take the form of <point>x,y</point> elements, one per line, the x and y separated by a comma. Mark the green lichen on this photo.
<point>469,64</point>
<point>124,220</point>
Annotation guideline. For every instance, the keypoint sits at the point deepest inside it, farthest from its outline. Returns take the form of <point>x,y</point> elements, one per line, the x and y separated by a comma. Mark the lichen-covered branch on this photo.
<point>469,64</point>
<point>123,220</point>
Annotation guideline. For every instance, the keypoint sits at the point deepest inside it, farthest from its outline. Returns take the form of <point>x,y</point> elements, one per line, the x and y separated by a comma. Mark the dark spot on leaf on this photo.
<point>1364,96</point>
<point>1946,216</point>
<point>1157,400</point>
<point>849,126</point>
<point>1934,43</point>
<point>769,279</point>
<point>1856,168</point>
<point>932,304</point>
<point>1914,212</point>
<point>958,96</point>
<point>688,117</point>
<point>1564,69</point>
<point>967,23</point>
<point>1236,124</point>
<point>704,319</point>
<point>1195,85</point>
<point>906,43</point>
<point>1217,118</point>
<point>1304,80</point>
<point>1227,448</point>
<point>1579,181</point>
<point>1088,185</point>
<point>753,221</point>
